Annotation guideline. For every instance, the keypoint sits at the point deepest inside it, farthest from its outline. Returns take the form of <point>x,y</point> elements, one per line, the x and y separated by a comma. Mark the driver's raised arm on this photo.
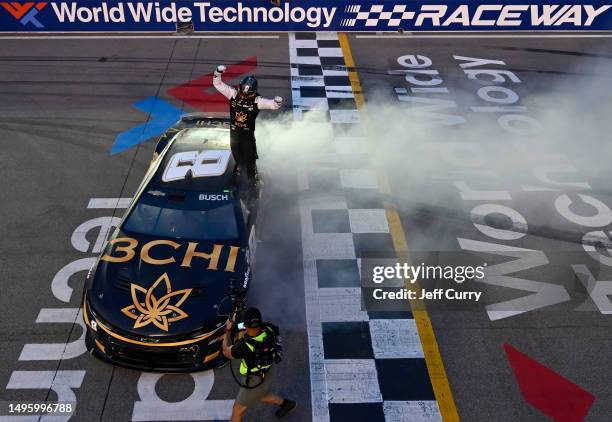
<point>268,104</point>
<point>227,91</point>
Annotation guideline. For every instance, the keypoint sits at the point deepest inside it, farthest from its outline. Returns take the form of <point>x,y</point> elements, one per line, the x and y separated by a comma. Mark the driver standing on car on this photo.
<point>245,103</point>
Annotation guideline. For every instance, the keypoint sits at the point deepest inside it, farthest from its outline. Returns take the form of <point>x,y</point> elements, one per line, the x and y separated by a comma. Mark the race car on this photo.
<point>182,257</point>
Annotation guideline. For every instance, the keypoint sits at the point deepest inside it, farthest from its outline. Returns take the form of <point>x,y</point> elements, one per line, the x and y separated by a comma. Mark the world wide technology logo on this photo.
<point>292,15</point>
<point>25,13</point>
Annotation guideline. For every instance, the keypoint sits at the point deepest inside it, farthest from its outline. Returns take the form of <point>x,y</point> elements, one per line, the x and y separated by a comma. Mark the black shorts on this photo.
<point>244,147</point>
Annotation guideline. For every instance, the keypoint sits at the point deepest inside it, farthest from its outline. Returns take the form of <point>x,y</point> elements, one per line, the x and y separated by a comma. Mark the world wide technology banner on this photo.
<point>303,15</point>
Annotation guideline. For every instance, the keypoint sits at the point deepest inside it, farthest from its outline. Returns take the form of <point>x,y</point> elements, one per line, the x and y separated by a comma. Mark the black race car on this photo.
<point>182,257</point>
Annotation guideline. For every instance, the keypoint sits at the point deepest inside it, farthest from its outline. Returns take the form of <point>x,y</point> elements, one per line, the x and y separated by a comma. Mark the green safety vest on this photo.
<point>243,366</point>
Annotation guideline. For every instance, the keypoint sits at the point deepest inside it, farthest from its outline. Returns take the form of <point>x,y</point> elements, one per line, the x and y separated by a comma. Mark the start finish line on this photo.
<point>302,15</point>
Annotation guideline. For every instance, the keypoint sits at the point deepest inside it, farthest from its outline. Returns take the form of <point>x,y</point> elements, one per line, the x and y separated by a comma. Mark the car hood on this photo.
<point>145,299</point>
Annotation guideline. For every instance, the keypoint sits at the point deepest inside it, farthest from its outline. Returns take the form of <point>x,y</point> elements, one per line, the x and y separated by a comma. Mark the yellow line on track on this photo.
<point>435,366</point>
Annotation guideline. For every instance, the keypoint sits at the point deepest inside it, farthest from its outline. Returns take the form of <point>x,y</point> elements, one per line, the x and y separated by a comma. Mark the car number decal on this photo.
<point>203,164</point>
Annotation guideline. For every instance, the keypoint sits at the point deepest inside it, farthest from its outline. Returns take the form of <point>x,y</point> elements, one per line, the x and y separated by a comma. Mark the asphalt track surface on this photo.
<point>561,337</point>
<point>65,101</point>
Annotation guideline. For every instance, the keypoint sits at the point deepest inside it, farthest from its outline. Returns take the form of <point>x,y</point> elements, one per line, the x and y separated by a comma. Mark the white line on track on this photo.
<point>109,203</point>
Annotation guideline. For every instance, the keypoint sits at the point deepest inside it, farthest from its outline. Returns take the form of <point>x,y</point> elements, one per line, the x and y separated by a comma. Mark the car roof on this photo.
<point>197,139</point>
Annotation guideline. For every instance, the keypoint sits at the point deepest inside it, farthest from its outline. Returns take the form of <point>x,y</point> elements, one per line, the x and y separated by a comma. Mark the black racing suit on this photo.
<point>243,113</point>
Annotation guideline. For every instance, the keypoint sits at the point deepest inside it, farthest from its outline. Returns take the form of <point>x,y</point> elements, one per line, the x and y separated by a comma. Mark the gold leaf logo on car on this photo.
<point>147,308</point>
<point>241,117</point>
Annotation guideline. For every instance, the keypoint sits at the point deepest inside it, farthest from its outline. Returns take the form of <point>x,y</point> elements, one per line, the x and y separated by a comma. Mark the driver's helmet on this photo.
<point>248,86</point>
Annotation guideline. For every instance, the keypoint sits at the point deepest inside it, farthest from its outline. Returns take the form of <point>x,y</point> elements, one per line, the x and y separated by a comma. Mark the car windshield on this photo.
<point>174,216</point>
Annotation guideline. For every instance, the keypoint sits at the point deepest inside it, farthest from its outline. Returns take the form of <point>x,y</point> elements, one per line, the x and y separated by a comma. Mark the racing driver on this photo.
<point>245,103</point>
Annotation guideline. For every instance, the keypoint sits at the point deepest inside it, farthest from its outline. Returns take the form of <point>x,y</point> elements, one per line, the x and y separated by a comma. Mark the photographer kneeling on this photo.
<point>259,350</point>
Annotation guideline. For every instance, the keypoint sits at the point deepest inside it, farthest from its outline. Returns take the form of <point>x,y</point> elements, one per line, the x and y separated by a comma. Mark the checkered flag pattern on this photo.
<point>364,366</point>
<point>377,15</point>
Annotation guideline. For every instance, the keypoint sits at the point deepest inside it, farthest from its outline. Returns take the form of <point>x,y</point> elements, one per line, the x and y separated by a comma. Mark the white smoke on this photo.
<point>286,144</point>
<point>567,126</point>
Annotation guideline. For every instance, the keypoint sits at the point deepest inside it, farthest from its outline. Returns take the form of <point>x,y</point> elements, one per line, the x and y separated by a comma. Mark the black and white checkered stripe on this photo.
<point>364,366</point>
<point>319,77</point>
<point>376,15</point>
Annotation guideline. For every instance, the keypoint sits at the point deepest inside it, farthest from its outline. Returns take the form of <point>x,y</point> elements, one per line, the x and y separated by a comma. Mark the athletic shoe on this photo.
<point>287,407</point>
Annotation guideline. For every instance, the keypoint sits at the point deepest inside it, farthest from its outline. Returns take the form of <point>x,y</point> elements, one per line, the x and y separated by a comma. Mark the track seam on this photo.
<point>161,83</point>
<point>107,394</point>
